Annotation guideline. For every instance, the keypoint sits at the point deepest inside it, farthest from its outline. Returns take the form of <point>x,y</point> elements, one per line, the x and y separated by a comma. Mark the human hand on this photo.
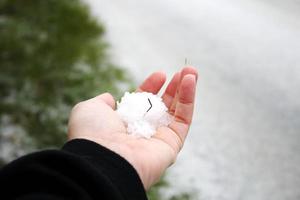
<point>96,120</point>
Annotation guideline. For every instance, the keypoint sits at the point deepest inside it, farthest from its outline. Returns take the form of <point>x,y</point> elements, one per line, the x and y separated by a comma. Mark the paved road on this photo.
<point>244,143</point>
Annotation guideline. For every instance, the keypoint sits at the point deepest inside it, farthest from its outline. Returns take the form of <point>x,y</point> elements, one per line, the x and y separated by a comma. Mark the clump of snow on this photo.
<point>142,113</point>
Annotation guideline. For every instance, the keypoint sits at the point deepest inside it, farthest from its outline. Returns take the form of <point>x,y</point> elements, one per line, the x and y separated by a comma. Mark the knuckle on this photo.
<point>183,120</point>
<point>172,111</point>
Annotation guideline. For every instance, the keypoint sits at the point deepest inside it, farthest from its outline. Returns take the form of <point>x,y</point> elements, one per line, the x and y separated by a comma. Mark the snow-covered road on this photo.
<point>244,143</point>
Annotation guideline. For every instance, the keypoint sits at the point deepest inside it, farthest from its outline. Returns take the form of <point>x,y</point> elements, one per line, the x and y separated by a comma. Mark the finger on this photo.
<point>153,83</point>
<point>175,134</point>
<point>185,71</point>
<point>184,107</point>
<point>170,91</point>
<point>107,98</point>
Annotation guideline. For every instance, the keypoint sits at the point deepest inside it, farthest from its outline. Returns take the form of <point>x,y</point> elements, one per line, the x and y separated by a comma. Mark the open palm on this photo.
<point>96,119</point>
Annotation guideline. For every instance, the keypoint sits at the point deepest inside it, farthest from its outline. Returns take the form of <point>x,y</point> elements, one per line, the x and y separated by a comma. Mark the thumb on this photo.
<point>107,98</point>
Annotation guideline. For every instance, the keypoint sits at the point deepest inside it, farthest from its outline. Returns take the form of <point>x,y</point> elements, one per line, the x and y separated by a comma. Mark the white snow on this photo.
<point>143,113</point>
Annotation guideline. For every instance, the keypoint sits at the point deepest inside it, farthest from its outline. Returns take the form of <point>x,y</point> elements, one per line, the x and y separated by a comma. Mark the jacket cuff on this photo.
<point>116,168</point>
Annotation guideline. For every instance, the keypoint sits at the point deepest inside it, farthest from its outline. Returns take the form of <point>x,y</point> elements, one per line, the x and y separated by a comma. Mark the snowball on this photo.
<point>142,113</point>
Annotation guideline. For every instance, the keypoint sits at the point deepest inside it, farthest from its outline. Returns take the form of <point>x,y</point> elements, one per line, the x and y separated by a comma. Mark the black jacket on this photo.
<point>81,170</point>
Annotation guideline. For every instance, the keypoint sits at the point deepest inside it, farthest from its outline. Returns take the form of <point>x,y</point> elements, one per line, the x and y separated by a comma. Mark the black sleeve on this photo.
<point>81,170</point>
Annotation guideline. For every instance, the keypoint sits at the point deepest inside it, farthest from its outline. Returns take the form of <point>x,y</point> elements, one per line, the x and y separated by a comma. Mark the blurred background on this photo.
<point>244,142</point>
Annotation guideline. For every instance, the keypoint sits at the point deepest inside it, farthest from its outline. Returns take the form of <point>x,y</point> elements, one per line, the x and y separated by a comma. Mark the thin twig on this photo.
<point>150,105</point>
